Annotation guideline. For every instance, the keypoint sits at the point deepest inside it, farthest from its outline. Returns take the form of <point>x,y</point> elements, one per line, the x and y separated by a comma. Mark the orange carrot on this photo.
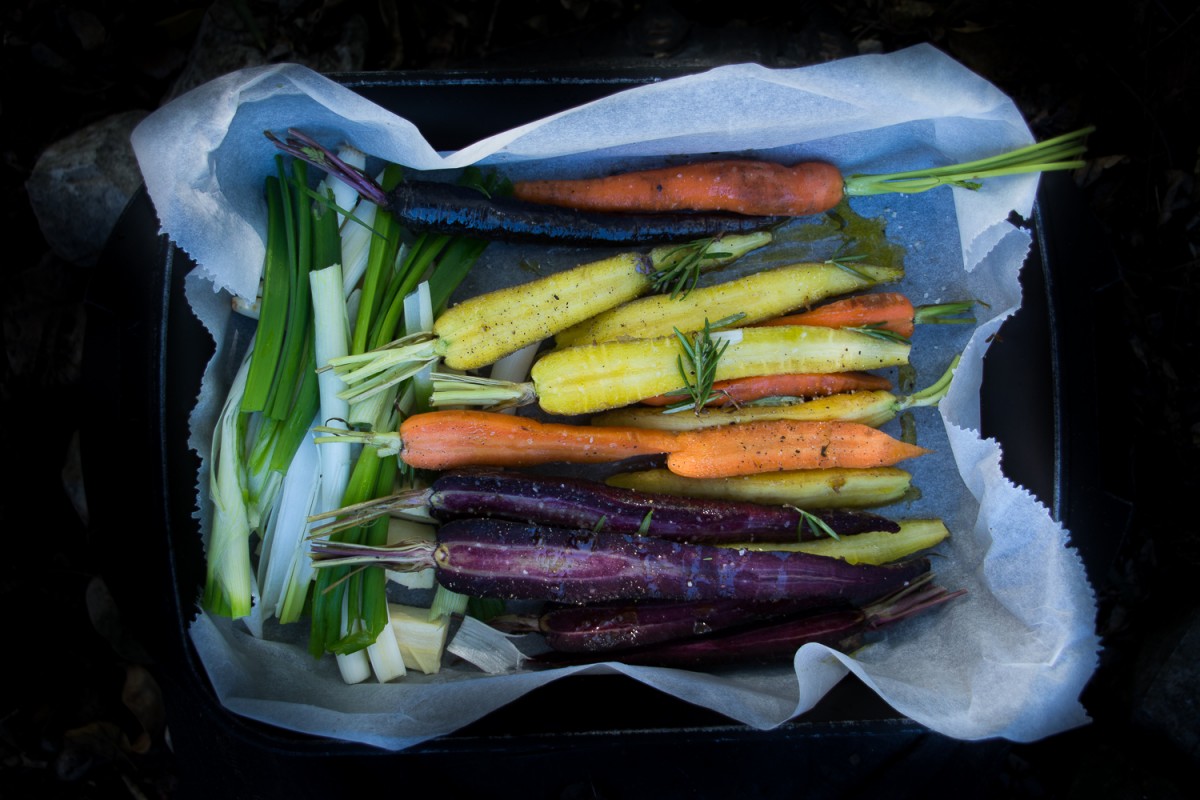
<point>883,311</point>
<point>743,390</point>
<point>445,439</point>
<point>448,439</point>
<point>768,189</point>
<point>756,447</point>
<point>889,311</point>
<point>744,187</point>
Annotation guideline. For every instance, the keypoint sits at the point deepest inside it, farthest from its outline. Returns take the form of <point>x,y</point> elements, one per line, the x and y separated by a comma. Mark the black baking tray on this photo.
<point>603,736</point>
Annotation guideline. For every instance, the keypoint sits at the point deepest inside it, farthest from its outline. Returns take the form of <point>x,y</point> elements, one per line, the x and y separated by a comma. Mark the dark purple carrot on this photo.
<point>590,505</point>
<point>605,627</point>
<point>842,629</point>
<point>508,560</point>
<point>464,211</point>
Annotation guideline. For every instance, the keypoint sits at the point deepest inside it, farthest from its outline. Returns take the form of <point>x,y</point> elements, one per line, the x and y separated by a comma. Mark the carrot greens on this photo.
<point>1059,153</point>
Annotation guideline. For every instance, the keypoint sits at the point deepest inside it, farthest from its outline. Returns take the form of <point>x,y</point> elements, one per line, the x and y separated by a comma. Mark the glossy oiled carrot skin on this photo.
<point>604,627</point>
<point>591,378</point>
<point>890,311</point>
<point>740,186</point>
<point>778,445</point>
<point>841,628</point>
<point>445,439</point>
<point>494,558</point>
<point>590,505</point>
<point>745,390</point>
<point>459,211</point>
<point>809,489</point>
<point>462,211</point>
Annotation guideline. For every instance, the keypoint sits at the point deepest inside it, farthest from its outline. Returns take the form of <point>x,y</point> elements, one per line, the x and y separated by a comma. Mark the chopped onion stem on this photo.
<point>384,248</point>
<point>228,580</point>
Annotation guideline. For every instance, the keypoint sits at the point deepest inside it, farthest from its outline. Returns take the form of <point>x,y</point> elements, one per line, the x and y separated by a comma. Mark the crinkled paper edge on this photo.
<point>822,667</point>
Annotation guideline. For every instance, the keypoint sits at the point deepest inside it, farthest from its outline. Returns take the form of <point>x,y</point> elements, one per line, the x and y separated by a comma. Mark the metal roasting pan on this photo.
<point>585,736</point>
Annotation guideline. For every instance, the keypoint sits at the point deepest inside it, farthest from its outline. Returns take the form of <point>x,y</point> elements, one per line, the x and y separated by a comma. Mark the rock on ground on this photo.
<point>81,183</point>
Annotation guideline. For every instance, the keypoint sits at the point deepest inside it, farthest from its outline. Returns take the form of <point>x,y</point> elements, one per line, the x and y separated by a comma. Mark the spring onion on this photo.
<point>228,582</point>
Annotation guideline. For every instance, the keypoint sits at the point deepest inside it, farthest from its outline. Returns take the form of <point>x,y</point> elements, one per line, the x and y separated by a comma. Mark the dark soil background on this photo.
<point>84,716</point>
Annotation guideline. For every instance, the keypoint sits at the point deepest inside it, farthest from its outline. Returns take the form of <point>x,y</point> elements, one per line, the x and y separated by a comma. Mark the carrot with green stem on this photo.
<point>761,188</point>
<point>872,408</point>
<point>591,378</point>
<point>481,330</point>
<point>886,314</point>
<point>882,311</point>
<point>434,206</point>
<point>764,295</point>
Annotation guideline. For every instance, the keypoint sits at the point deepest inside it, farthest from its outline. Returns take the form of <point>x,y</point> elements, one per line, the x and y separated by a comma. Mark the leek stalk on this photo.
<point>229,582</point>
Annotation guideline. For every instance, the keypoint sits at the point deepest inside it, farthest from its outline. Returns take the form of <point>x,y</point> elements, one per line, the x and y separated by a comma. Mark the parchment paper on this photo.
<point>1008,660</point>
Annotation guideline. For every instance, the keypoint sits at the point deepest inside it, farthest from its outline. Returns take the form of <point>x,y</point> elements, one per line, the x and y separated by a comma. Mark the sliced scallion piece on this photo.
<point>228,581</point>
<point>273,310</point>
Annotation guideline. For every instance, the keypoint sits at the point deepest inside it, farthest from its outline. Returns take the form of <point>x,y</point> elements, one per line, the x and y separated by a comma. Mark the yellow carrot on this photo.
<point>873,547</point>
<point>761,296</point>
<point>838,487</point>
<point>591,378</point>
<point>869,408</point>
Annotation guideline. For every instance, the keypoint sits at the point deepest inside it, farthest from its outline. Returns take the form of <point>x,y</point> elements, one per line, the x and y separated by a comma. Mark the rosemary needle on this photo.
<point>699,373</point>
<point>683,274</point>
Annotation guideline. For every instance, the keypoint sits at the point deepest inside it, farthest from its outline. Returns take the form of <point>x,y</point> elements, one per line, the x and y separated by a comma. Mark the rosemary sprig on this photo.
<point>879,330</point>
<point>699,373</point>
<point>842,260</point>
<point>683,267</point>
<point>815,523</point>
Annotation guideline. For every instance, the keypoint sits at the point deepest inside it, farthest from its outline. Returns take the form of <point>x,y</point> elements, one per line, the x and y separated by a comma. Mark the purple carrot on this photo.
<point>618,626</point>
<point>463,211</point>
<point>591,505</point>
<point>842,629</point>
<point>508,560</point>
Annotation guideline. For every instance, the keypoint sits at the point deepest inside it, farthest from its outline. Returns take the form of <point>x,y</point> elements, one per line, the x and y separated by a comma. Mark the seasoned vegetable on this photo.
<point>589,505</point>
<point>883,311</point>
<point>761,296</point>
<point>809,488</point>
<point>463,211</point>
<point>804,384</point>
<point>441,440</point>
<point>739,186</point>
<point>480,330</point>
<point>591,378</point>
<point>761,188</point>
<point>777,445</point>
<point>607,627</point>
<point>841,629</point>
<point>485,328</point>
<point>612,626</point>
<point>872,547</point>
<point>509,560</point>
<point>869,408</point>
<point>446,439</point>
